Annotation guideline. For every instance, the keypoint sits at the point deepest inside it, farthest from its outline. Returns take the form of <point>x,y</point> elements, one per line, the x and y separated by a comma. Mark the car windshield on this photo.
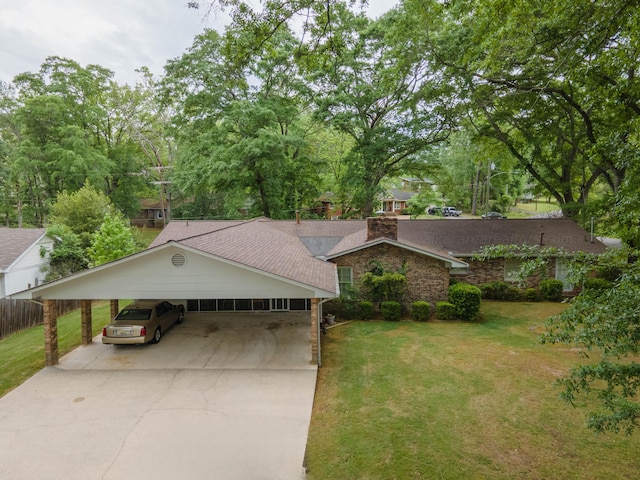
<point>134,314</point>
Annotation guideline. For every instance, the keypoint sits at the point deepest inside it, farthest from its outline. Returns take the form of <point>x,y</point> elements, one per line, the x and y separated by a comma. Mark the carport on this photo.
<point>183,273</point>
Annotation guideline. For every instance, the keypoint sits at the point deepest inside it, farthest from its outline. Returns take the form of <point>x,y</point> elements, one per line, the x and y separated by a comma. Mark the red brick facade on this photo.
<point>427,278</point>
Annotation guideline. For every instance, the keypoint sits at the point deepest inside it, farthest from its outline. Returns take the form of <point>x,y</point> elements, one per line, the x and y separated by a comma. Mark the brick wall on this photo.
<point>427,278</point>
<point>493,270</point>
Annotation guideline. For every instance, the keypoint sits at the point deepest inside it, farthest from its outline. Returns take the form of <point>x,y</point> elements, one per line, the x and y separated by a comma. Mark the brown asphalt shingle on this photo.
<point>257,245</point>
<point>289,249</point>
<point>463,237</point>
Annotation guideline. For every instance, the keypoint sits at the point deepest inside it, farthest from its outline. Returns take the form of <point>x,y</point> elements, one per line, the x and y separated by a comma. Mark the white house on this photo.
<point>21,264</point>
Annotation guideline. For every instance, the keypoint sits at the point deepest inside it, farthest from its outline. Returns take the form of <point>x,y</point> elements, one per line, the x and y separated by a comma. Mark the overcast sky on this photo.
<point>121,35</point>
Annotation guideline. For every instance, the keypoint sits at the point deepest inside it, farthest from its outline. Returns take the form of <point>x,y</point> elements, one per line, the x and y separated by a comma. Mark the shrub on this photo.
<point>514,294</point>
<point>420,311</point>
<point>610,273</point>
<point>366,310</point>
<point>466,299</point>
<point>445,311</point>
<point>495,290</point>
<point>596,284</point>
<point>388,286</point>
<point>551,290</point>
<point>391,311</point>
<point>532,295</point>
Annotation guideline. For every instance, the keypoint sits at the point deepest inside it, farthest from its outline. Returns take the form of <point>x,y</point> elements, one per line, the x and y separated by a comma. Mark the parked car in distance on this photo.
<point>451,212</point>
<point>493,215</point>
<point>444,211</point>
<point>142,322</point>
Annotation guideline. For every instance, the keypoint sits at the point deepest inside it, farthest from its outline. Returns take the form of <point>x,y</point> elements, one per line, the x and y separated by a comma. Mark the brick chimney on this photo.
<point>378,227</point>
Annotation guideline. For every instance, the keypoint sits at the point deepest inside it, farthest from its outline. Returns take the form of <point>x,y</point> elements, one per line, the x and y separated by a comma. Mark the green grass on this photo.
<point>454,400</point>
<point>145,235</point>
<point>22,354</point>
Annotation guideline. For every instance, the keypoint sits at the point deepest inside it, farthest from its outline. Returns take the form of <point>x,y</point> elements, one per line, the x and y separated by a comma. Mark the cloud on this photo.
<point>121,35</point>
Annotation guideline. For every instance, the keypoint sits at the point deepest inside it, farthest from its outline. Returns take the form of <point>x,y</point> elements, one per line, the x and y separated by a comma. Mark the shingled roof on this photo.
<point>297,250</point>
<point>15,241</point>
<point>464,237</point>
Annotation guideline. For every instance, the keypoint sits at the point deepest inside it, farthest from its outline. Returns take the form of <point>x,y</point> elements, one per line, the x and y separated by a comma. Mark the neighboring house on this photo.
<point>416,184</point>
<point>395,201</point>
<point>152,213</point>
<point>21,265</point>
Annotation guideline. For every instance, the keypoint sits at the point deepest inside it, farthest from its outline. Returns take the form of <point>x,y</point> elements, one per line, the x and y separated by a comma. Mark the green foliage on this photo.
<point>366,310</point>
<point>112,241</point>
<point>420,311</point>
<point>466,299</point>
<point>445,311</point>
<point>419,203</point>
<point>602,323</point>
<point>82,212</point>
<point>532,295</point>
<point>597,284</point>
<point>347,304</point>
<point>68,255</point>
<point>382,285</point>
<point>496,290</point>
<point>391,311</point>
<point>551,290</point>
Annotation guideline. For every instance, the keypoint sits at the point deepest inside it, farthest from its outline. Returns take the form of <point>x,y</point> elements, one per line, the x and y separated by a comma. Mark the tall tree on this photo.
<point>555,83</point>
<point>391,104</point>
<point>249,142</point>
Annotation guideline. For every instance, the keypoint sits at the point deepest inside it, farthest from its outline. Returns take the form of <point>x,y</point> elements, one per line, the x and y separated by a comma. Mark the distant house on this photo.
<point>395,201</point>
<point>416,184</point>
<point>21,265</point>
<point>152,214</point>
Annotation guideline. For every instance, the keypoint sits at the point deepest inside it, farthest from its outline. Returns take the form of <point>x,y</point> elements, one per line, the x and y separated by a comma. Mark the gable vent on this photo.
<point>178,260</point>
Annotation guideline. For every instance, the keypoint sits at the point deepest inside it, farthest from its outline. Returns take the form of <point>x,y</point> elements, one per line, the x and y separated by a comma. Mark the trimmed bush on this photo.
<point>420,311</point>
<point>551,290</point>
<point>495,290</point>
<point>366,310</point>
<point>596,284</point>
<point>532,295</point>
<point>391,311</point>
<point>466,298</point>
<point>514,294</point>
<point>445,311</point>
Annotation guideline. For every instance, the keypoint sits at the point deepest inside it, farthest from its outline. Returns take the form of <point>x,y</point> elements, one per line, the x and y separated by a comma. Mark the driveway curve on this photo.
<point>222,396</point>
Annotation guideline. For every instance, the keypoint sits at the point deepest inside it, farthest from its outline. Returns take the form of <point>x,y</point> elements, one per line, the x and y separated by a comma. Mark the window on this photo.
<point>511,269</point>
<point>561,274</point>
<point>345,277</point>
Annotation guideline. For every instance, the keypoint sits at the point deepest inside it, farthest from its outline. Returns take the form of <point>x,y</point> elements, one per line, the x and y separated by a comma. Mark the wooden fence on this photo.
<point>17,315</point>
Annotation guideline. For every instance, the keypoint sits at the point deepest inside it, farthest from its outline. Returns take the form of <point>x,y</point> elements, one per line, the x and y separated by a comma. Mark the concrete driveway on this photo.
<point>222,396</point>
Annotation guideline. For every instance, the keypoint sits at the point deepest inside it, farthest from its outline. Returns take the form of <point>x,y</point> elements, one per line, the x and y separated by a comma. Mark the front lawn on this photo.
<point>452,400</point>
<point>22,354</point>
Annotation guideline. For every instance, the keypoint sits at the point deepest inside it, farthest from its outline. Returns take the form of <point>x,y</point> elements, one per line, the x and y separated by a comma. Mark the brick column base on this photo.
<point>114,309</point>
<point>50,310</point>
<point>315,358</point>
<point>87,330</point>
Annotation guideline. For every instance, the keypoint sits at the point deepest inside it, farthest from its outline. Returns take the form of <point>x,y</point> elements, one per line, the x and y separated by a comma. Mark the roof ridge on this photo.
<point>242,222</point>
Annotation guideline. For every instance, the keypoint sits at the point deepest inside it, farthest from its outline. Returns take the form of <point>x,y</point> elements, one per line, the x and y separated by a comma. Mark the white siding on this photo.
<point>154,276</point>
<point>27,270</point>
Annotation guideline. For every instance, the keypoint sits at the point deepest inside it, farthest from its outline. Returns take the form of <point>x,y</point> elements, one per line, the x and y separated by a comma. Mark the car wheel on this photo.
<point>157,335</point>
<point>181,316</point>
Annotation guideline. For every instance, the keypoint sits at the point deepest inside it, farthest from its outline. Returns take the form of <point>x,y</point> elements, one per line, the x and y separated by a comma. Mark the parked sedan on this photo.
<point>142,322</point>
<point>492,215</point>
